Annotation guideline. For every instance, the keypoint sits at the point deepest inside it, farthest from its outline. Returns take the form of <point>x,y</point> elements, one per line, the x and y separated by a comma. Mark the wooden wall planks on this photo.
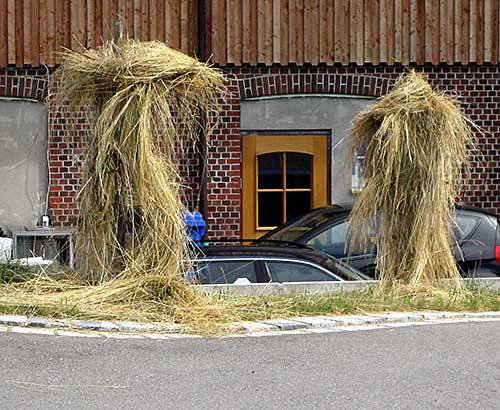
<point>34,32</point>
<point>267,32</point>
<point>373,31</point>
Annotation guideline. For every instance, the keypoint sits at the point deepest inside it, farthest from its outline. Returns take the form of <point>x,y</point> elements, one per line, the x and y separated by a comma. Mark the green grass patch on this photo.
<point>365,301</point>
<point>68,299</point>
<point>14,272</point>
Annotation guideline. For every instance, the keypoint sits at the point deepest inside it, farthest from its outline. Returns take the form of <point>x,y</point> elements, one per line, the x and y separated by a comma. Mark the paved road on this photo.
<point>449,366</point>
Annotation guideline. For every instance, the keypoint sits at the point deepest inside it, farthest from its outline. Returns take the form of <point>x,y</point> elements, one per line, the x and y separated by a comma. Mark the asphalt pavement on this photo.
<point>446,366</point>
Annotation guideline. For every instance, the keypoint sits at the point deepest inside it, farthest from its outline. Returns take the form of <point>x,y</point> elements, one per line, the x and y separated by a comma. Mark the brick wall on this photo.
<point>478,88</point>
<point>24,83</point>
<point>67,143</point>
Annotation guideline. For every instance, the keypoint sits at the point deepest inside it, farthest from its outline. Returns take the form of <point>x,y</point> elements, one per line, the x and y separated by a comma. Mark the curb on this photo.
<point>317,288</point>
<point>272,325</point>
<point>91,325</point>
<point>332,322</point>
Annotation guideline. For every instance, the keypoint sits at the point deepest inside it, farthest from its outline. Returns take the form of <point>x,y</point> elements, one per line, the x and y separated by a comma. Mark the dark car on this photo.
<point>268,263</point>
<point>476,246</point>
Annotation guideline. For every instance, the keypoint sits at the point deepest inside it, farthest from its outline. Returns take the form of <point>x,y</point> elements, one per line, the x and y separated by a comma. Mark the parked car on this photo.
<point>476,244</point>
<point>268,263</point>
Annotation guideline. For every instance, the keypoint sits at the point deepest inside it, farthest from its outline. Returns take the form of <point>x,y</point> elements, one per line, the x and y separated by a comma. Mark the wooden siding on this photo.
<point>357,31</point>
<point>262,31</point>
<point>32,32</point>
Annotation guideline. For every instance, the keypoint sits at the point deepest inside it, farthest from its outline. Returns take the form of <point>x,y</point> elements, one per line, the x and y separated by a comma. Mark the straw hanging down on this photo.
<point>145,105</point>
<point>416,143</point>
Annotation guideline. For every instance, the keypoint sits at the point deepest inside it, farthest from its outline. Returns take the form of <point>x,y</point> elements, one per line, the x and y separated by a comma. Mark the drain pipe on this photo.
<point>48,105</point>
<point>202,137</point>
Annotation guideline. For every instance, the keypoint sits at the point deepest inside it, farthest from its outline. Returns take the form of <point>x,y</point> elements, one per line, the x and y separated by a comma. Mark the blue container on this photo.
<point>196,226</point>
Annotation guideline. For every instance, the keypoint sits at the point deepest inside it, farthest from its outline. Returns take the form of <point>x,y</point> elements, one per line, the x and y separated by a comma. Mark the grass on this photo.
<point>360,302</point>
<point>67,298</point>
<point>14,272</point>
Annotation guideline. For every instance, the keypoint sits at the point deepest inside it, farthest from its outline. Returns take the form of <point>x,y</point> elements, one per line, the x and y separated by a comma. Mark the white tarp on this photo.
<point>5,249</point>
<point>33,261</point>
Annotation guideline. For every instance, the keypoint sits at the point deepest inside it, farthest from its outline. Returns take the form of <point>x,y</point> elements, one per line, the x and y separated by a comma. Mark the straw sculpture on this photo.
<point>146,103</point>
<point>416,143</point>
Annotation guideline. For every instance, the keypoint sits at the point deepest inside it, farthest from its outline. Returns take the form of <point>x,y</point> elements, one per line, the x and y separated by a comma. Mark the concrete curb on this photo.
<point>91,325</point>
<point>272,325</point>
<point>316,288</point>
<point>332,322</point>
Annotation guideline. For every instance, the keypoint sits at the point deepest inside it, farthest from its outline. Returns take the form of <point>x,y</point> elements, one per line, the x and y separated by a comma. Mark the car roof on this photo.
<point>262,250</point>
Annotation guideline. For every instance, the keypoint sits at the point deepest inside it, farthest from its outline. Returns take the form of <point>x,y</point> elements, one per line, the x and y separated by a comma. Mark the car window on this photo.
<point>334,239</point>
<point>296,272</point>
<point>300,226</point>
<point>464,226</point>
<point>226,272</point>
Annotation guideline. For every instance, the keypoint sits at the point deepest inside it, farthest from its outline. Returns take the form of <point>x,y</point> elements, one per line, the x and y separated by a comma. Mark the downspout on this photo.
<point>202,137</point>
<point>48,105</point>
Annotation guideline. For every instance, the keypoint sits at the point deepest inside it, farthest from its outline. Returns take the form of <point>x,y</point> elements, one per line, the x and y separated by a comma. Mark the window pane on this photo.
<point>464,226</point>
<point>333,242</point>
<point>270,209</point>
<point>223,272</point>
<point>298,170</point>
<point>297,203</point>
<point>296,272</point>
<point>270,168</point>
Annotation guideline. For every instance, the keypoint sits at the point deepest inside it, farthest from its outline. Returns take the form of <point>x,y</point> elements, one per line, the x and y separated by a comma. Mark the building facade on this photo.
<point>298,71</point>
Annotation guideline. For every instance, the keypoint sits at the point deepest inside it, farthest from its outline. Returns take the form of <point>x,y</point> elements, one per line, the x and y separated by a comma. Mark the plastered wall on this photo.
<point>23,163</point>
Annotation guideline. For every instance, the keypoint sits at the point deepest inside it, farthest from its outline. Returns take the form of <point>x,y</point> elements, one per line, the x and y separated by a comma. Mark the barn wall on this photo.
<point>268,32</point>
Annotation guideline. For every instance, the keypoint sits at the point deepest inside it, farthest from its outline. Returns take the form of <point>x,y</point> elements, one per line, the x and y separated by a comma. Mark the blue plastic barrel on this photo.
<point>195,225</point>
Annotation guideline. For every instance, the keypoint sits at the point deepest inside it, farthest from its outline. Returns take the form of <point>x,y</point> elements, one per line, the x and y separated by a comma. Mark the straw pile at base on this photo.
<point>416,142</point>
<point>146,104</point>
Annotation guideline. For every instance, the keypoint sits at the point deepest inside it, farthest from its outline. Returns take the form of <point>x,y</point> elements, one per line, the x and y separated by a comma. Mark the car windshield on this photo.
<point>299,227</point>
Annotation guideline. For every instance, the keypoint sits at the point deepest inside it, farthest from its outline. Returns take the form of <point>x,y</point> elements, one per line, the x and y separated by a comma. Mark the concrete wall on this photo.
<point>334,114</point>
<point>23,163</point>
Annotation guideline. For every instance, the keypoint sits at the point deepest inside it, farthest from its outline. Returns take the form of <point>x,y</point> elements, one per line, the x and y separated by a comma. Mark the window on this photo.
<point>226,272</point>
<point>464,226</point>
<point>336,241</point>
<point>296,272</point>
<point>284,187</point>
<point>357,179</point>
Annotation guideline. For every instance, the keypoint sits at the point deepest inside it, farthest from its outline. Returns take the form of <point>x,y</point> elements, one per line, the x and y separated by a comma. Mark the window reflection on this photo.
<point>270,171</point>
<point>298,170</point>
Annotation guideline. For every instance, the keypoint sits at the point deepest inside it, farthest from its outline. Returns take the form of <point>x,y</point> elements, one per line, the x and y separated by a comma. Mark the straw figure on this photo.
<point>146,103</point>
<point>416,143</point>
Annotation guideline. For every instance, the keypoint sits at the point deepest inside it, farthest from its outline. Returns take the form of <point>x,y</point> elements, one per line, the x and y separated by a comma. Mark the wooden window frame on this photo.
<point>283,190</point>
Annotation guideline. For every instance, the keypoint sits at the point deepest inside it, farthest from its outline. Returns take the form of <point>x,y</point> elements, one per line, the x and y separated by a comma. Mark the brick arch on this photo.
<point>22,84</point>
<point>307,83</point>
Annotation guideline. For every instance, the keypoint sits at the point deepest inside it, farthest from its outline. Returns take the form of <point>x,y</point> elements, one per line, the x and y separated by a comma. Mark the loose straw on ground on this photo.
<point>146,104</point>
<point>416,144</point>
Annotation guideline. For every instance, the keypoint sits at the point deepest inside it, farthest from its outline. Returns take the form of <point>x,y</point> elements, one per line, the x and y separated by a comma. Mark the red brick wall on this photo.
<point>477,86</point>
<point>478,89</point>
<point>67,144</point>
<point>224,170</point>
<point>24,83</point>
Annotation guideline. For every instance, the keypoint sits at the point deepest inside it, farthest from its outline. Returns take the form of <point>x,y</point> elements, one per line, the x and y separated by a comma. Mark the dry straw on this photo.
<point>416,143</point>
<point>146,104</point>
